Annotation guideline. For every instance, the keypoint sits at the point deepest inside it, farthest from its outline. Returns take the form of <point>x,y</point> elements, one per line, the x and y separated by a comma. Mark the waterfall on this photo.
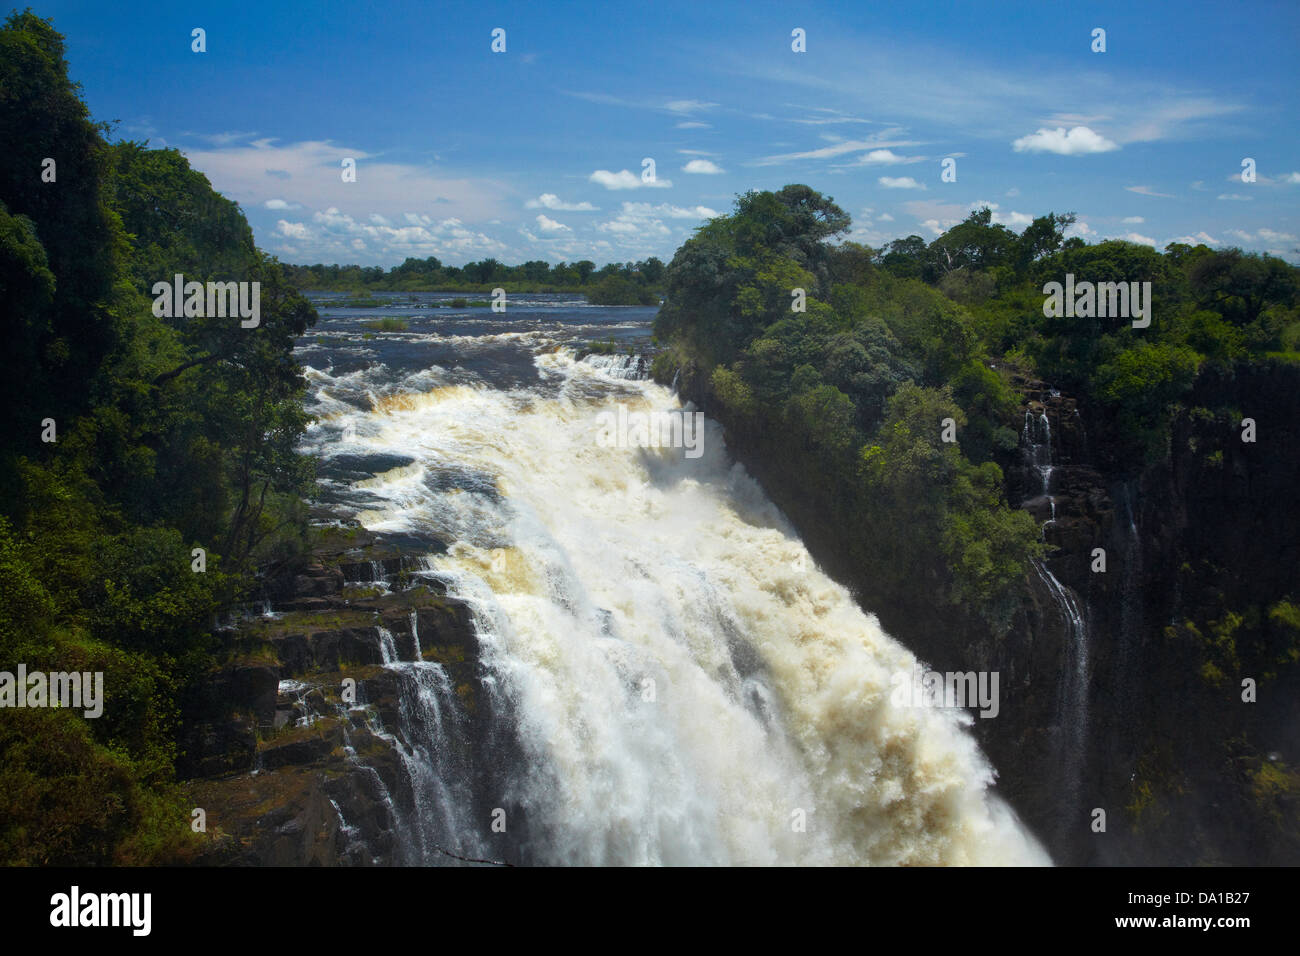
<point>683,684</point>
<point>619,366</point>
<point>1130,618</point>
<point>1072,700</point>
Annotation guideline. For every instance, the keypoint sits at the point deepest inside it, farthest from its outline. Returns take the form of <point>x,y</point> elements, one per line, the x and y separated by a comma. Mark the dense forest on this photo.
<point>130,441</point>
<point>891,343</point>
<point>629,283</point>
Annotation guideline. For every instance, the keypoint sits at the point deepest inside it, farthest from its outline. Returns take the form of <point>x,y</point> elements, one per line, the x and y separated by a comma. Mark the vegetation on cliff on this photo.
<point>130,440</point>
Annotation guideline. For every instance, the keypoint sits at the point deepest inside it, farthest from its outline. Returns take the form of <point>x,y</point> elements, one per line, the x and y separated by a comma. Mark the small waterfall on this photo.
<point>1130,611</point>
<point>1072,705</point>
<point>1037,439</point>
<point>387,646</point>
<point>434,814</point>
<point>631,367</point>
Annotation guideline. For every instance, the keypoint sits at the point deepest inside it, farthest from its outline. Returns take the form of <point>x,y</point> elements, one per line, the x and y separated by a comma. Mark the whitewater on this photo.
<point>687,686</point>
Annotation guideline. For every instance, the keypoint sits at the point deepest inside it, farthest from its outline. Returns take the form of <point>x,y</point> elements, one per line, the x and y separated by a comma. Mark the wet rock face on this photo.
<point>293,747</point>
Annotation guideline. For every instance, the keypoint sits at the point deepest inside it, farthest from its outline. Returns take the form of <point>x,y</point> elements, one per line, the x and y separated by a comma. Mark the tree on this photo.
<point>976,243</point>
<point>1042,237</point>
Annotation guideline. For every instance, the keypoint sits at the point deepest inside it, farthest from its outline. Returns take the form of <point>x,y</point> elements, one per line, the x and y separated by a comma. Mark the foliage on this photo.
<point>172,434</point>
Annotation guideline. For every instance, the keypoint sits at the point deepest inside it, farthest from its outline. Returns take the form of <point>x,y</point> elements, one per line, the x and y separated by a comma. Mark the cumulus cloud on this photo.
<point>625,179</point>
<point>1136,237</point>
<point>1198,239</point>
<point>1013,220</point>
<point>281,204</point>
<point>1263,235</point>
<point>899,182</point>
<point>642,223</point>
<point>1291,178</point>
<point>1268,235</point>
<point>293,230</point>
<point>547,224</point>
<point>885,217</point>
<point>1133,220</point>
<point>885,157</point>
<point>338,234</point>
<point>1077,141</point>
<point>703,166</point>
<point>556,204</point>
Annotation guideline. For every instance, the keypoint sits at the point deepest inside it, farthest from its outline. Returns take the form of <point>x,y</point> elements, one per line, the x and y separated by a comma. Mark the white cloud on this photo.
<point>338,234</point>
<point>255,173</point>
<point>293,230</point>
<point>1078,141</point>
<point>1133,220</point>
<point>280,204</point>
<point>1291,178</point>
<point>885,157</point>
<point>547,224</point>
<point>885,217</point>
<point>1013,192</point>
<point>1081,228</point>
<point>1236,197</point>
<point>643,210</point>
<point>555,203</point>
<point>641,223</point>
<point>1136,237</point>
<point>702,166</point>
<point>1148,191</point>
<point>694,124</point>
<point>625,179</point>
<point>688,106</point>
<point>899,182</point>
<point>882,140</point>
<point>1268,235</point>
<point>1198,239</point>
<point>1264,235</point>
<point>642,228</point>
<point>1013,220</point>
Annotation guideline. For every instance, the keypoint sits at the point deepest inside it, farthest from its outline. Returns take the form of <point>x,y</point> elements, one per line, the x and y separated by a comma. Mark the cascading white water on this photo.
<point>688,687</point>
<point>1072,707</point>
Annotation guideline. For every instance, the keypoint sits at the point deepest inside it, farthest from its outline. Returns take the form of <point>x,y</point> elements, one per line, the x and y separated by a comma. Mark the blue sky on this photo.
<point>536,153</point>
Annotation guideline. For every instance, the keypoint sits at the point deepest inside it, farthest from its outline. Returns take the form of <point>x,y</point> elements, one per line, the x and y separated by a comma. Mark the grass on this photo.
<point>387,324</point>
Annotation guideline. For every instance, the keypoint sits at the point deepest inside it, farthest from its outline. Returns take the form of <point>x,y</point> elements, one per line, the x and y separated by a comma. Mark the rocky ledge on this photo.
<point>301,701</point>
